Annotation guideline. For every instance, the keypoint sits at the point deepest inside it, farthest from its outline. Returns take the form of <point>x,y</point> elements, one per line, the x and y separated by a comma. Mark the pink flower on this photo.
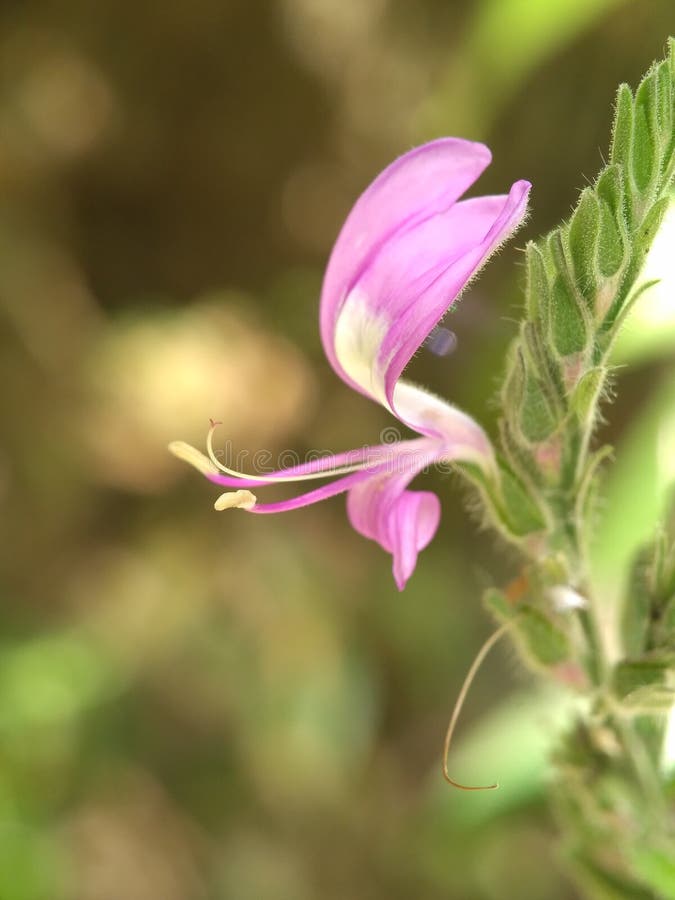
<point>403,257</point>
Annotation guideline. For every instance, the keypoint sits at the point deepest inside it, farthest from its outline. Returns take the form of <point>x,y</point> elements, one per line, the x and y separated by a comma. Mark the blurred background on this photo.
<point>197,705</point>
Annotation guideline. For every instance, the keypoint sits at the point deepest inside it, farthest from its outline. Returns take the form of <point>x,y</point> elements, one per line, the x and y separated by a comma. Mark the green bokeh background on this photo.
<point>197,705</point>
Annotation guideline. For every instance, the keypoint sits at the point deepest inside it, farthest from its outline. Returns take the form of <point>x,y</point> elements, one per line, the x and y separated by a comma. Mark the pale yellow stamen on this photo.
<point>235,500</point>
<point>193,456</point>
<point>213,461</point>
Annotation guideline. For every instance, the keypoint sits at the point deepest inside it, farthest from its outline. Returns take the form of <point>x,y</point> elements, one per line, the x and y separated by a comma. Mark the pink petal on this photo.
<point>402,522</point>
<point>423,182</point>
<point>420,273</point>
<point>410,283</point>
<point>403,460</point>
<point>461,436</point>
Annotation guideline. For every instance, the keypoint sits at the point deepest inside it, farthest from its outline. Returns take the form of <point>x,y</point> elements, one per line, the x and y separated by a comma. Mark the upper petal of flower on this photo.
<point>377,307</point>
<point>425,181</point>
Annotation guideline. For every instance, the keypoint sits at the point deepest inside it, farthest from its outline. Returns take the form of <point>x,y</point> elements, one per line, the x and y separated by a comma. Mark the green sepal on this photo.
<point>622,129</point>
<point>645,156</point>
<point>587,483</point>
<point>584,228</point>
<point>546,642</point>
<point>533,340</point>
<point>612,243</point>
<point>637,604</point>
<point>642,240</point>
<point>543,641</point>
<point>610,188</point>
<point>521,512</point>
<point>569,331</point>
<point>518,452</point>
<point>537,408</point>
<point>612,249</point>
<point>648,617</point>
<point>667,112</point>
<point>645,234</point>
<point>511,507</point>
<point>584,398</point>
<point>528,401</point>
<point>538,290</point>
<point>537,421</point>
<point>664,107</point>
<point>642,685</point>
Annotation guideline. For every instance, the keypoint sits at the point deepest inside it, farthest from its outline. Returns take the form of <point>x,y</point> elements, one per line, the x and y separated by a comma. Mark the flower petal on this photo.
<point>403,460</point>
<point>418,185</point>
<point>471,231</point>
<point>409,284</point>
<point>461,436</point>
<point>402,522</point>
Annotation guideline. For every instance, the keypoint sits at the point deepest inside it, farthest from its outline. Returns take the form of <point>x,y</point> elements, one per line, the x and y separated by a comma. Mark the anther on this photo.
<point>235,500</point>
<point>193,456</point>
